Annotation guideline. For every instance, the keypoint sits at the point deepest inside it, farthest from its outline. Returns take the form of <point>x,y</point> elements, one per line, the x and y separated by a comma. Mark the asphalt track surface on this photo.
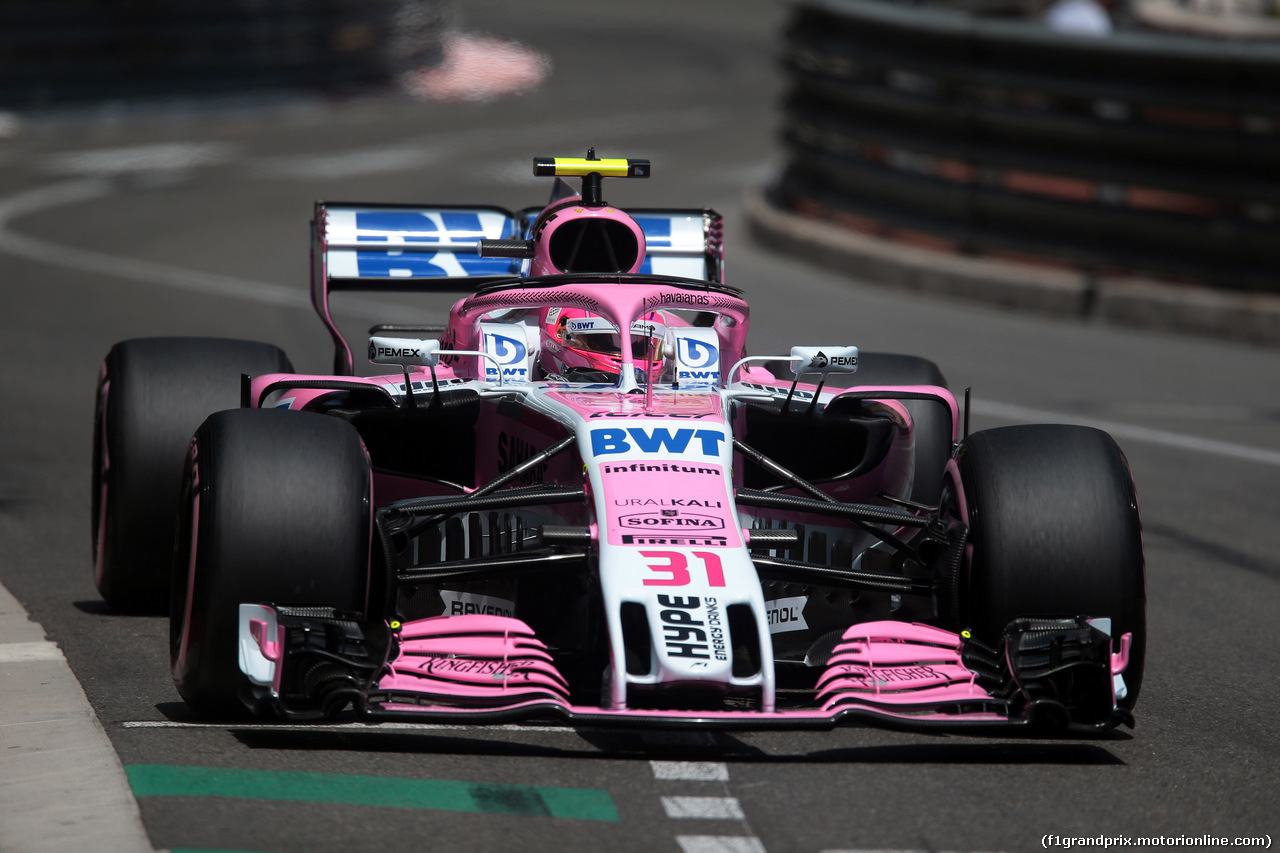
<point>207,235</point>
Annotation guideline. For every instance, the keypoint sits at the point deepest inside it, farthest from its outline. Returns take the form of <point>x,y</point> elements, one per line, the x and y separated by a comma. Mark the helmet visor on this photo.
<point>610,343</point>
<point>597,335</point>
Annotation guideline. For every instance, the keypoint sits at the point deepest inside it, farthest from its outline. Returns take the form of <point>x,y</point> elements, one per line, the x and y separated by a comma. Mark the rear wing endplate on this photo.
<point>402,248</point>
<point>685,243</point>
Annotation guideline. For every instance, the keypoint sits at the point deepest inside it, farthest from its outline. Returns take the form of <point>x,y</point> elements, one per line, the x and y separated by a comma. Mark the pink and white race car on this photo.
<point>583,499</point>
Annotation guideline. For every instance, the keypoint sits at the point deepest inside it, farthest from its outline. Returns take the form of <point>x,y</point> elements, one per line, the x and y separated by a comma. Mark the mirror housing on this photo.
<point>404,352</point>
<point>823,360</point>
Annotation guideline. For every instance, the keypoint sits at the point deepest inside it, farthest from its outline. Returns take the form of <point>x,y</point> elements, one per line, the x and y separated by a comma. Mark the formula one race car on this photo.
<point>582,499</point>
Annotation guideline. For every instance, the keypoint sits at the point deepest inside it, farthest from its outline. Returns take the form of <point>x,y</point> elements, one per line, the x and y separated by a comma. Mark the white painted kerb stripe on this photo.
<point>24,652</point>
<point>719,844</point>
<point>704,808</point>
<point>1129,432</point>
<point>692,771</point>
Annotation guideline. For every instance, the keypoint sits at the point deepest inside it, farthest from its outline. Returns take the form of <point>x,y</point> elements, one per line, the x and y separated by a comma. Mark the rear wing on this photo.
<point>685,243</point>
<point>682,243</point>
<point>408,248</point>
<point>402,248</point>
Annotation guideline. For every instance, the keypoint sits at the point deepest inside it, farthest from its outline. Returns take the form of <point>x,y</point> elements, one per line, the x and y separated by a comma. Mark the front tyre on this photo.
<point>276,508</point>
<point>152,394</point>
<point>1055,531</point>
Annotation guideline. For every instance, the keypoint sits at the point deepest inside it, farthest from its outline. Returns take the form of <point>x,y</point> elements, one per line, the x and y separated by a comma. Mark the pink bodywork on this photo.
<point>458,665</point>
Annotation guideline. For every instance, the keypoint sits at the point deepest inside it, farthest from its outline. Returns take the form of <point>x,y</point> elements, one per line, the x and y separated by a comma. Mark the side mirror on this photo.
<point>415,352</point>
<point>823,360</point>
<point>405,352</point>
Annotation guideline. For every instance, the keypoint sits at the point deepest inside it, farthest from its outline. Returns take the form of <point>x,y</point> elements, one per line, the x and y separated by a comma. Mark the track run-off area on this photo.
<point>192,220</point>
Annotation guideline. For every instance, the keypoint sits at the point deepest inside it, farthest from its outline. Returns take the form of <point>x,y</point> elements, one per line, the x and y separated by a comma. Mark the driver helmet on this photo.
<point>580,346</point>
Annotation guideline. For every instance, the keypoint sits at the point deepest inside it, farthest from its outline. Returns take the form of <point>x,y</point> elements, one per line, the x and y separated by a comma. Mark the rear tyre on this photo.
<point>932,420</point>
<point>152,394</point>
<point>1055,531</point>
<point>276,508</point>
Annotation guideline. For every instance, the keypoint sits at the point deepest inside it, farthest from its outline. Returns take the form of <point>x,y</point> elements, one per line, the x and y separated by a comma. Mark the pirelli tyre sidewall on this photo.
<point>152,394</point>
<point>1054,531</point>
<point>276,509</point>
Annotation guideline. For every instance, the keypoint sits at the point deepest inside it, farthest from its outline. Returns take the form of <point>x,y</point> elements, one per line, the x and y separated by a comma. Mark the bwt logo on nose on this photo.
<point>656,440</point>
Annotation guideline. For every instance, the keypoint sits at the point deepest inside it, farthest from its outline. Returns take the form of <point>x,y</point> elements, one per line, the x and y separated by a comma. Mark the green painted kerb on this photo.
<point>160,780</point>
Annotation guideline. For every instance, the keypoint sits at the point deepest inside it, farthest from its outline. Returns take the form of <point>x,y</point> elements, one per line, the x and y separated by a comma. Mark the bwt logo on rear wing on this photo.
<point>412,242</point>
<point>361,242</point>
<point>402,248</point>
<point>687,243</point>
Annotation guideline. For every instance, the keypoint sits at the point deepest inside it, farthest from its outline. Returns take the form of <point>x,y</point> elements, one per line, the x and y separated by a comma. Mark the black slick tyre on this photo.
<point>1055,532</point>
<point>276,508</point>
<point>152,394</point>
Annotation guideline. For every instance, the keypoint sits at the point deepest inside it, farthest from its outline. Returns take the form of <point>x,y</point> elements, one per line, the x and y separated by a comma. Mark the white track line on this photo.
<point>719,844</point>
<point>691,771</point>
<point>99,263</point>
<point>119,160</point>
<point>149,272</point>
<point>703,808</point>
<point>132,159</point>
<point>1130,432</point>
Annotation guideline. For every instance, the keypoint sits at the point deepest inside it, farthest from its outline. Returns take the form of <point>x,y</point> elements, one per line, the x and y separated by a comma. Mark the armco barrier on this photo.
<point>83,50</point>
<point>1136,153</point>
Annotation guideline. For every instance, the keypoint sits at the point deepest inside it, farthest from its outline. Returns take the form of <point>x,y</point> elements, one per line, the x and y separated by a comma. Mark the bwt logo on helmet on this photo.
<point>655,440</point>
